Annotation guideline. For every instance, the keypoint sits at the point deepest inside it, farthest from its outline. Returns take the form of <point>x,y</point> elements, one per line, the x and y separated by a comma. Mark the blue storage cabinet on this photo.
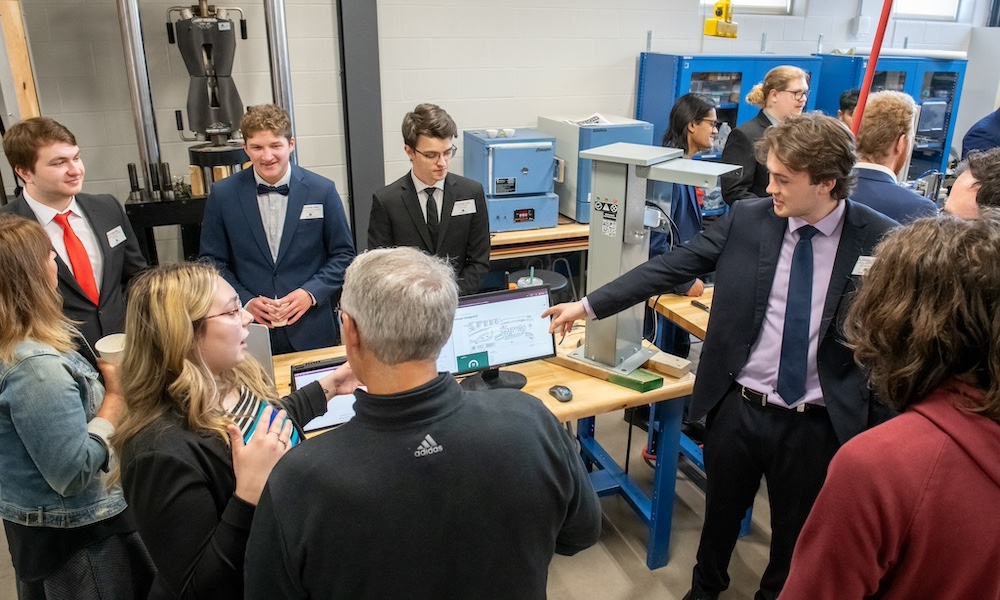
<point>935,84</point>
<point>727,79</point>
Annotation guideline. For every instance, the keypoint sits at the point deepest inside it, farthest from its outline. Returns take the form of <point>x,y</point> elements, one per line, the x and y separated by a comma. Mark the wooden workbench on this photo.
<point>679,309</point>
<point>568,236</point>
<point>591,396</point>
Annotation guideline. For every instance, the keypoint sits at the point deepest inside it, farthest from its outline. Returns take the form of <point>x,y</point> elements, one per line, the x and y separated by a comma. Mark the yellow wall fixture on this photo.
<point>721,23</point>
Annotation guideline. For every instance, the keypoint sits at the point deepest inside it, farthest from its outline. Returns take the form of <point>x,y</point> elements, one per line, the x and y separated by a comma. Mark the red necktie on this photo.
<point>78,259</point>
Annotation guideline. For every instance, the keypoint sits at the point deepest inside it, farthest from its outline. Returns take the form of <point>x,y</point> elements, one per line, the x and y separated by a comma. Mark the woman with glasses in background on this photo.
<point>70,536</point>
<point>782,94</point>
<point>692,127</point>
<point>202,430</point>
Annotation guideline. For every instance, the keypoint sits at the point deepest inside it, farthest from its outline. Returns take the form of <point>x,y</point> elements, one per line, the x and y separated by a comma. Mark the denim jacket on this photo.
<point>51,465</point>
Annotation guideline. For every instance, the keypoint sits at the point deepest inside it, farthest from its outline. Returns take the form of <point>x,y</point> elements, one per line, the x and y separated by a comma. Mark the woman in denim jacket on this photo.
<point>69,535</point>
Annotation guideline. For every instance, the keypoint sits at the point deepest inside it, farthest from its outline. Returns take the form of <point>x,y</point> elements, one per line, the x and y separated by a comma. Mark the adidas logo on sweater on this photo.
<point>428,447</point>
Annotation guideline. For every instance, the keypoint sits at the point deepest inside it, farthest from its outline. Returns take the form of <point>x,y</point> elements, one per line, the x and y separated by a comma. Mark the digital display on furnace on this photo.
<point>524,215</point>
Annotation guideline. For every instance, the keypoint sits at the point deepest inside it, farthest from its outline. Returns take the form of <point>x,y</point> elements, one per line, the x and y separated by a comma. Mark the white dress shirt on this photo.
<point>273,207</point>
<point>420,186</point>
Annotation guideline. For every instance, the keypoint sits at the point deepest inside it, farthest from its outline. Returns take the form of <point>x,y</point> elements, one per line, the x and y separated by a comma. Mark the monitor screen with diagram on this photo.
<point>497,329</point>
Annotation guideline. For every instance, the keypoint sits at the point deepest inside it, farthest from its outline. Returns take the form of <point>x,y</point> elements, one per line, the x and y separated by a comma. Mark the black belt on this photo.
<point>756,398</point>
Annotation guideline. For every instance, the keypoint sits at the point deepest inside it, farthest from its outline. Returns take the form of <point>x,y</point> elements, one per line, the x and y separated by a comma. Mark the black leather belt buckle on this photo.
<point>753,396</point>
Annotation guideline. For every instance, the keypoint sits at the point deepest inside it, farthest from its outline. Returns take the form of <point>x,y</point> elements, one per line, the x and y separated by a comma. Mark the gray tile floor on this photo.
<point>615,568</point>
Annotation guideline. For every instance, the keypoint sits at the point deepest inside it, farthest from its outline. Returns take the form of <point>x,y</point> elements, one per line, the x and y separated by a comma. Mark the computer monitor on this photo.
<point>494,330</point>
<point>933,117</point>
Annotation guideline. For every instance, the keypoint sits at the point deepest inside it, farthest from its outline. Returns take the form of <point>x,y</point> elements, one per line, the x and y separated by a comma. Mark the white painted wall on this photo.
<point>488,62</point>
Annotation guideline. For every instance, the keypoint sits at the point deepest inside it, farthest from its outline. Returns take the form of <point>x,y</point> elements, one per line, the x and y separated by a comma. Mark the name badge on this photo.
<point>863,265</point>
<point>312,211</point>
<point>116,236</point>
<point>464,207</point>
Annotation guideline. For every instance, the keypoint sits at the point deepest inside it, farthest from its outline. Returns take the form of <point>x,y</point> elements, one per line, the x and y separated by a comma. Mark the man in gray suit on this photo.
<point>97,252</point>
<point>452,221</point>
<point>780,389</point>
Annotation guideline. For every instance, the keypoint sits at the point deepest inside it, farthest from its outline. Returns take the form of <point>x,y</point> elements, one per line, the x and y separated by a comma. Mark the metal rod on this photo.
<point>277,50</point>
<point>138,85</point>
<point>872,62</point>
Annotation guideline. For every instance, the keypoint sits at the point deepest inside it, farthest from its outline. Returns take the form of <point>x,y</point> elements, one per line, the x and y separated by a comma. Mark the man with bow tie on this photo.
<point>279,236</point>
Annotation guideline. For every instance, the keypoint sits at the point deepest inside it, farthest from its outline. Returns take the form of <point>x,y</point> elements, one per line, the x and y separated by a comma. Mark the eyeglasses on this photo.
<point>434,156</point>
<point>715,124</point>
<point>798,94</point>
<point>228,313</point>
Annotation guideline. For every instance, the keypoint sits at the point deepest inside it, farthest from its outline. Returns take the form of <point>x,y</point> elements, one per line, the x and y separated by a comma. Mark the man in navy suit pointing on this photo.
<point>779,387</point>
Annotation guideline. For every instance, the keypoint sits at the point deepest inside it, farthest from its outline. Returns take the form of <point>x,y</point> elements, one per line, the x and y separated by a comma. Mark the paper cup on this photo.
<point>508,133</point>
<point>110,347</point>
<point>492,133</point>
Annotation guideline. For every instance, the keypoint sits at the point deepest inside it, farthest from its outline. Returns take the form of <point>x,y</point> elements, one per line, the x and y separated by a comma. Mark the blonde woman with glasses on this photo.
<point>203,427</point>
<point>782,94</point>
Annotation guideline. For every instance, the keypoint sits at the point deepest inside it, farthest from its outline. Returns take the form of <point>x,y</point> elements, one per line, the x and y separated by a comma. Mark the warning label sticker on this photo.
<point>609,215</point>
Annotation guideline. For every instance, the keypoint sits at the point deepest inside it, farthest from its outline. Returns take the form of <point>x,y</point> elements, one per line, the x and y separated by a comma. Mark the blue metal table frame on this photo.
<point>656,512</point>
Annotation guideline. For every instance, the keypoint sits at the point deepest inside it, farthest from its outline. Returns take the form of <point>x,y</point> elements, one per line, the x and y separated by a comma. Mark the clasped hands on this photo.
<point>279,312</point>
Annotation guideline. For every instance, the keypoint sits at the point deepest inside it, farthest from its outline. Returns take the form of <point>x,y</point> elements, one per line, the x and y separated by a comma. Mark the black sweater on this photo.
<point>179,485</point>
<point>435,493</point>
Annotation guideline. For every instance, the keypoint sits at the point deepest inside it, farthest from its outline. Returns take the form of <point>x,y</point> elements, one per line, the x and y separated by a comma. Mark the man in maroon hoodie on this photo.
<point>908,508</point>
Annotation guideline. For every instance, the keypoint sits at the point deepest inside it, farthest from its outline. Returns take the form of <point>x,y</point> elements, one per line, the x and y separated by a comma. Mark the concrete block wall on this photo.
<point>488,62</point>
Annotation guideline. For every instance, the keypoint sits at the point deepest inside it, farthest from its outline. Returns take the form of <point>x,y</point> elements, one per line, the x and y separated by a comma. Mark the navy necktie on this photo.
<point>272,189</point>
<point>798,307</point>
<point>432,217</point>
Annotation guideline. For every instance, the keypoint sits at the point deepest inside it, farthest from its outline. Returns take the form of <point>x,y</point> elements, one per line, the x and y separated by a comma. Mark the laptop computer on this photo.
<point>259,346</point>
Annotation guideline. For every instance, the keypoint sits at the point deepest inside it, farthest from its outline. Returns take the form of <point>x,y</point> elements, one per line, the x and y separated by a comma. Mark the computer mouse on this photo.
<point>561,393</point>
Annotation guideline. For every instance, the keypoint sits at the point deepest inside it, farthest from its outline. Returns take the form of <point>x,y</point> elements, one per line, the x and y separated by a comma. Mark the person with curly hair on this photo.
<point>908,508</point>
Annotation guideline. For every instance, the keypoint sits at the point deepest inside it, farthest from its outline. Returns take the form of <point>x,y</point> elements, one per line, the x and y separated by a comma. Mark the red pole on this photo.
<point>872,61</point>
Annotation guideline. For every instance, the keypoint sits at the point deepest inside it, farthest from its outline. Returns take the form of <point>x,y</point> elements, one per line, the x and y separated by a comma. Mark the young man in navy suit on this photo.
<point>983,135</point>
<point>884,140</point>
<point>780,389</point>
<point>97,252</point>
<point>279,236</point>
<point>457,227</point>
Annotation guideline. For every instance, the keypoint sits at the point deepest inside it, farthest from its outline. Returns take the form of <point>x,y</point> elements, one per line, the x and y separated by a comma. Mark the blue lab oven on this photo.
<point>517,174</point>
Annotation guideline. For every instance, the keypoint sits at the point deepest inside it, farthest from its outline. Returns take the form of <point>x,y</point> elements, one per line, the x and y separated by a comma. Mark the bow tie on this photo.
<point>268,189</point>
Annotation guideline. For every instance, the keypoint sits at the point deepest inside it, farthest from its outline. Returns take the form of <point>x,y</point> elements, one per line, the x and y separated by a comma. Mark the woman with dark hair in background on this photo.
<point>692,128</point>
<point>909,508</point>
<point>782,94</point>
<point>70,536</point>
